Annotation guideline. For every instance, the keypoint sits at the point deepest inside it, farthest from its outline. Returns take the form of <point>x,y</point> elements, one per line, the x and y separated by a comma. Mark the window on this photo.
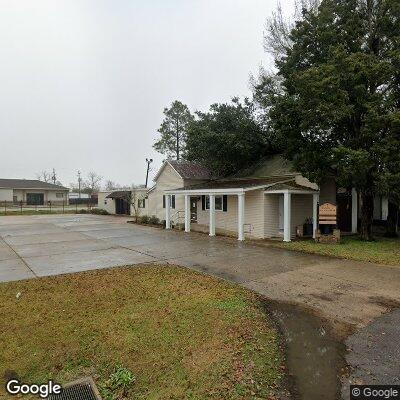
<point>15,199</point>
<point>59,195</point>
<point>142,203</point>
<point>172,204</point>
<point>221,203</point>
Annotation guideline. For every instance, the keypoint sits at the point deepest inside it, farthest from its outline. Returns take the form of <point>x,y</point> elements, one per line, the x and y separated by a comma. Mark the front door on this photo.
<point>193,209</point>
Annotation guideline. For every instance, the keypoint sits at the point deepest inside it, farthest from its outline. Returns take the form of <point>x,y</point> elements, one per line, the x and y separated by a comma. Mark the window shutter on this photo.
<point>163,201</point>
<point>173,201</point>
<point>225,203</point>
<point>203,202</point>
<point>144,203</point>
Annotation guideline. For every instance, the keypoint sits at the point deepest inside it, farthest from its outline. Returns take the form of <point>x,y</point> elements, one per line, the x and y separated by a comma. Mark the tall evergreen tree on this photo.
<point>227,138</point>
<point>173,131</point>
<point>335,106</point>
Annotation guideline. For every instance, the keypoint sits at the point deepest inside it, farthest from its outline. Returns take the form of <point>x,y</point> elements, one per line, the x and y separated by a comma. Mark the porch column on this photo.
<point>167,211</point>
<point>241,216</point>
<point>354,210</point>
<point>287,200</point>
<point>315,213</point>
<point>212,214</point>
<point>187,213</point>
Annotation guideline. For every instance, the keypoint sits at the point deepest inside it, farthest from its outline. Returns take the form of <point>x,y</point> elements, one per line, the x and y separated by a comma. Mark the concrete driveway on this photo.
<point>343,291</point>
<point>349,294</point>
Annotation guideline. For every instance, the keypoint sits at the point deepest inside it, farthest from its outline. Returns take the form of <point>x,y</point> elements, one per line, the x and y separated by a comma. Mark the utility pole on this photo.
<point>79,183</point>
<point>148,161</point>
<point>54,177</point>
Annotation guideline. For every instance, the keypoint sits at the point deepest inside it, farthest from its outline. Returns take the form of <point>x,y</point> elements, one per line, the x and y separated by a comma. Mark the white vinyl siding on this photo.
<point>227,221</point>
<point>271,215</point>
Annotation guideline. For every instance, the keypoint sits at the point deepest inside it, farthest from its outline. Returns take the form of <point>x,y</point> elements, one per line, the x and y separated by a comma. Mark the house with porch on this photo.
<point>268,200</point>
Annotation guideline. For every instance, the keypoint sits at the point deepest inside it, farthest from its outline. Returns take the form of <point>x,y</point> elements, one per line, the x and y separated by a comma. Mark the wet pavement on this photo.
<point>348,294</point>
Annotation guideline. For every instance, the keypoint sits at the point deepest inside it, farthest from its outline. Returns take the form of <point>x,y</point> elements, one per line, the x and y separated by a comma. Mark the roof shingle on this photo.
<point>190,170</point>
<point>28,184</point>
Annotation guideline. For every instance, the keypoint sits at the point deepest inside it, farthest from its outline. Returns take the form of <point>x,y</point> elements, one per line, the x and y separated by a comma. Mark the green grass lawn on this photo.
<point>174,333</point>
<point>381,251</point>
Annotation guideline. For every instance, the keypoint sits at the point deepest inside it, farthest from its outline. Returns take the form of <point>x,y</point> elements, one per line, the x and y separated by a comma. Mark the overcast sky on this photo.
<point>83,83</point>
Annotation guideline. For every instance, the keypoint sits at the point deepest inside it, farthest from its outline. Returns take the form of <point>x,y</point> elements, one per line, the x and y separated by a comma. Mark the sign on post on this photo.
<point>327,214</point>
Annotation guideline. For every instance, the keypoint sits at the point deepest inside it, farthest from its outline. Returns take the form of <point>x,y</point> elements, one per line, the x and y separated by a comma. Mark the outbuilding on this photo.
<point>32,192</point>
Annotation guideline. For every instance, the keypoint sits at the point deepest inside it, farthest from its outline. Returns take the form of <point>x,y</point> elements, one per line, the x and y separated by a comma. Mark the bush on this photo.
<point>99,211</point>
<point>82,211</point>
<point>144,219</point>
<point>153,220</point>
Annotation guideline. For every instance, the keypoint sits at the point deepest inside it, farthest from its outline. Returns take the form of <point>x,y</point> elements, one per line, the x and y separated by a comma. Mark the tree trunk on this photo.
<point>367,216</point>
<point>392,220</point>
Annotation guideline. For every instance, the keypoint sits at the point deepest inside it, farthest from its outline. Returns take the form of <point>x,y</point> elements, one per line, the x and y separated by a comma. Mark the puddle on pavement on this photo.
<point>314,358</point>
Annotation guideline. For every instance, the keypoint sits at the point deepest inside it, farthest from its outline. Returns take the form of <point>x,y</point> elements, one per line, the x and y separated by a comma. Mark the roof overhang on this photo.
<point>35,188</point>
<point>291,191</point>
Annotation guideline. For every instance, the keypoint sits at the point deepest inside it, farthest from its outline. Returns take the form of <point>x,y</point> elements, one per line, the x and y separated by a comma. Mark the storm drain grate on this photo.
<point>83,389</point>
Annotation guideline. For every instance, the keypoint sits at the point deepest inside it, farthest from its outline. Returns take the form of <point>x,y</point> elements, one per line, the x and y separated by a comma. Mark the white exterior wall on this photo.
<point>228,220</point>
<point>106,204</point>
<point>271,216</point>
<point>302,208</point>
<point>52,196</point>
<point>169,179</point>
<point>6,195</point>
<point>49,195</point>
<point>224,220</point>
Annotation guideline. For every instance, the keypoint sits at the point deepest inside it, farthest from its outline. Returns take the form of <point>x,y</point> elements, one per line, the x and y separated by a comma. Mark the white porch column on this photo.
<point>212,214</point>
<point>167,211</point>
<point>315,213</point>
<point>187,213</point>
<point>287,218</point>
<point>241,216</point>
<point>354,210</point>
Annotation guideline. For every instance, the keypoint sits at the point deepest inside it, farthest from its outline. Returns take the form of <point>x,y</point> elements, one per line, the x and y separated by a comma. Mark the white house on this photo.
<point>268,200</point>
<point>32,192</point>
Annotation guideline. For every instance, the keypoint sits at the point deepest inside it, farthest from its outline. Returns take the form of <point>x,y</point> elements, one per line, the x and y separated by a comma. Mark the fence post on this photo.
<point>21,205</point>
<point>76,207</point>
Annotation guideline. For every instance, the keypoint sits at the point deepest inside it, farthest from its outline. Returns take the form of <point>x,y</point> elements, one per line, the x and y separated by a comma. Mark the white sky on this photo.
<point>83,83</point>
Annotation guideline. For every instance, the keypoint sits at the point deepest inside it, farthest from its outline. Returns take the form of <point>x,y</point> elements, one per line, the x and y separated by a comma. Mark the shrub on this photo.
<point>144,219</point>
<point>153,220</point>
<point>99,211</point>
<point>82,211</point>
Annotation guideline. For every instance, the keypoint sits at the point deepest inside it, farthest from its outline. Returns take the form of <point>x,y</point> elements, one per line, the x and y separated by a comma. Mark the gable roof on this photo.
<point>186,170</point>
<point>28,184</point>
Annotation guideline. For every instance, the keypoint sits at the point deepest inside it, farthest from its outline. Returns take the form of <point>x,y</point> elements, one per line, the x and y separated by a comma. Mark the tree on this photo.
<point>93,182</point>
<point>173,131</point>
<point>44,176</point>
<point>227,138</point>
<point>134,197</point>
<point>111,185</point>
<point>334,108</point>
